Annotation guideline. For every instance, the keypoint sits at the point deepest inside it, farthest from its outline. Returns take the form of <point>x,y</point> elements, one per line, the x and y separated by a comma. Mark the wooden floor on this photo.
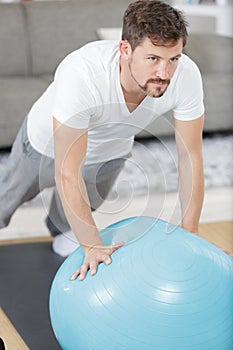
<point>9,334</point>
<point>220,234</point>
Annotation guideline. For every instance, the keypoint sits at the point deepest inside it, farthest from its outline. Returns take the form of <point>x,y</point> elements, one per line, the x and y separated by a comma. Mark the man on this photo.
<point>102,95</point>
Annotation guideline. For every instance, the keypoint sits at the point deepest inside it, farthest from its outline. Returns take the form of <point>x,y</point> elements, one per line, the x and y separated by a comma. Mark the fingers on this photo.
<point>107,260</point>
<point>93,267</point>
<point>117,246</point>
<point>83,272</point>
<point>80,272</point>
<point>95,256</point>
<point>75,275</point>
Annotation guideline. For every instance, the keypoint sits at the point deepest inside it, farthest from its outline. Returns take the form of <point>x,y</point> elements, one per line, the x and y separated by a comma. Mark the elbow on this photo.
<point>191,156</point>
<point>191,153</point>
<point>191,162</point>
<point>65,180</point>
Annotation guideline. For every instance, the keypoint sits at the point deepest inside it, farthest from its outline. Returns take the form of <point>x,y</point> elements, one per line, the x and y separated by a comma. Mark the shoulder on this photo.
<point>188,91</point>
<point>187,75</point>
<point>187,65</point>
<point>92,59</point>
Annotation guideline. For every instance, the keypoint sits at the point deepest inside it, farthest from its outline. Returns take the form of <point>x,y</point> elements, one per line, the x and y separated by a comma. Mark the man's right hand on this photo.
<point>93,257</point>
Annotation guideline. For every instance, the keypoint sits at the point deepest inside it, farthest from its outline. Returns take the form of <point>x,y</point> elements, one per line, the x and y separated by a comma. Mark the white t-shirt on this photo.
<point>86,93</point>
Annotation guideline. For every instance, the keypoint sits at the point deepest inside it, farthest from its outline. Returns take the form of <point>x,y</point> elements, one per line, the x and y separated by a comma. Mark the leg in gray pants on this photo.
<point>26,173</point>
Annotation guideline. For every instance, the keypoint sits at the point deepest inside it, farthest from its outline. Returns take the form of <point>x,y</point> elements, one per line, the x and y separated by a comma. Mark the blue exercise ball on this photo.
<point>166,289</point>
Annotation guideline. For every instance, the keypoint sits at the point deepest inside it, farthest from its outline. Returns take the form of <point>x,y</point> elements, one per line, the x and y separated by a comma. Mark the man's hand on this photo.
<point>93,257</point>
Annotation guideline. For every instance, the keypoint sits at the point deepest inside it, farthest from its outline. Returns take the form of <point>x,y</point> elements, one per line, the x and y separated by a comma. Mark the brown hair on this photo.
<point>153,19</point>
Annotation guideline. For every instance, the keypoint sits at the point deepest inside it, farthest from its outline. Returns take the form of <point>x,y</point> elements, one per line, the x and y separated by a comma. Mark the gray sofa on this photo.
<point>36,36</point>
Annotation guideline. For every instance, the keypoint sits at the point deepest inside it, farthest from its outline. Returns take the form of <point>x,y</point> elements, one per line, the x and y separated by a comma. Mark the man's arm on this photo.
<point>190,167</point>
<point>70,147</point>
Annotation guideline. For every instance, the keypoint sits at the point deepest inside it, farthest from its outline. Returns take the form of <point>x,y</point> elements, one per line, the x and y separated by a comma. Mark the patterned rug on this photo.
<point>153,166</point>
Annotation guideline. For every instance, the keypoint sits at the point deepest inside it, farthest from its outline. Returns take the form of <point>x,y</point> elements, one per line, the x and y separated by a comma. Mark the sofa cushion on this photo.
<point>16,98</point>
<point>13,39</point>
<point>212,53</point>
<point>109,33</point>
<point>218,92</point>
<point>57,28</point>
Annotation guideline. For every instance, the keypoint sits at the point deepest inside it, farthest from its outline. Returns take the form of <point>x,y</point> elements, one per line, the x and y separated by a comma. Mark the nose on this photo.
<point>162,70</point>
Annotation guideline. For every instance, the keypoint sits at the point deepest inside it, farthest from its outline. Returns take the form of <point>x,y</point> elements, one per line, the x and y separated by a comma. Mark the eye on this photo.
<point>152,59</point>
<point>174,59</point>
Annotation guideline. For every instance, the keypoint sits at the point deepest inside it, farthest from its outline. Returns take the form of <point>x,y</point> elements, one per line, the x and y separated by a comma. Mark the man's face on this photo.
<point>152,67</point>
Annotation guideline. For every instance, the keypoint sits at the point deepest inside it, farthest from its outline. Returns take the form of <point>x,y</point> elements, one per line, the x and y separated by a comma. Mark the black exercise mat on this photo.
<point>26,274</point>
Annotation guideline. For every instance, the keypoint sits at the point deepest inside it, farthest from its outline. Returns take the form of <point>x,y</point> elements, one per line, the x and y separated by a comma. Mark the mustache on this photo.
<point>158,80</point>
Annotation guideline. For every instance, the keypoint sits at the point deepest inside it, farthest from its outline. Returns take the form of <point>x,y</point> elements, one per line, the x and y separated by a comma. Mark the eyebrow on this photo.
<point>176,56</point>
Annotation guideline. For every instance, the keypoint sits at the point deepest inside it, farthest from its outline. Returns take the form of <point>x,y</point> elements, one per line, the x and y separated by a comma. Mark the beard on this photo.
<point>157,91</point>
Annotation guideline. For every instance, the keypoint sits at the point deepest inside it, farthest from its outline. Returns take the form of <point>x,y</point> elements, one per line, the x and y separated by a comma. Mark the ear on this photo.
<point>125,49</point>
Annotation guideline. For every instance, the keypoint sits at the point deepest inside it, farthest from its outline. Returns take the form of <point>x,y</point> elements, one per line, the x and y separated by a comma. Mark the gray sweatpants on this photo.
<point>27,172</point>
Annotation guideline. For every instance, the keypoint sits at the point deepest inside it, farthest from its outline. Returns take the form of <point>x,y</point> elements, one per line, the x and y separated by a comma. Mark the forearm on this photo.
<point>77,208</point>
<point>191,190</point>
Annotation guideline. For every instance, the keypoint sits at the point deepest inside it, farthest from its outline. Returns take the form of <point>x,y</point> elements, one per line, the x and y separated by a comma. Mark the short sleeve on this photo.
<point>73,99</point>
<point>189,99</point>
